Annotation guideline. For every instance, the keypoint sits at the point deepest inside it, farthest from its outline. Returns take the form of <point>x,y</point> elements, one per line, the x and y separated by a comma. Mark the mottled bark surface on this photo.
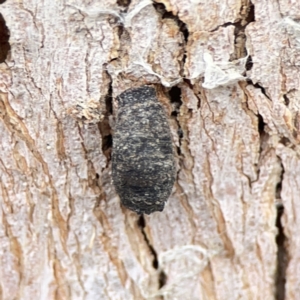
<point>227,75</point>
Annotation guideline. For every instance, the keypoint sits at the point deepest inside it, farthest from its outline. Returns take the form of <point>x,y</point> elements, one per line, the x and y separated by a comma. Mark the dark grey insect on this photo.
<point>143,166</point>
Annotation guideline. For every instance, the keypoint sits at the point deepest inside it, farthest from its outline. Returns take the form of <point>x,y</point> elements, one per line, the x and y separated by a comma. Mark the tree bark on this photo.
<point>227,75</point>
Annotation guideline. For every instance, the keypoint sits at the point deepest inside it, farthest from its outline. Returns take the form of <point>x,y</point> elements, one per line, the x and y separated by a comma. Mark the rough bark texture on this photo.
<point>227,74</point>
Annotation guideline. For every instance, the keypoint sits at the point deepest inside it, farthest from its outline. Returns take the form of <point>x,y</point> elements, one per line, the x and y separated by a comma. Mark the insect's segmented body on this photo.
<point>143,167</point>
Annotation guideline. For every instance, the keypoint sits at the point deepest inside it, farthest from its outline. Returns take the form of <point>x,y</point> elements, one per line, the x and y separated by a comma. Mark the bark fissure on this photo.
<point>261,125</point>
<point>175,98</point>
<point>162,277</point>
<point>104,125</point>
<point>280,275</point>
<point>247,13</point>
<point>161,9</point>
<point>281,257</point>
<point>247,16</point>
<point>4,38</point>
<point>258,86</point>
<point>223,25</point>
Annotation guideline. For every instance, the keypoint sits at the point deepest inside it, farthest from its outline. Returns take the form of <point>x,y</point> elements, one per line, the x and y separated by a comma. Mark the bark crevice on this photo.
<point>281,257</point>
<point>175,98</point>
<point>104,125</point>
<point>263,90</point>
<point>161,9</point>
<point>162,277</point>
<point>4,38</point>
<point>247,14</point>
<point>282,254</point>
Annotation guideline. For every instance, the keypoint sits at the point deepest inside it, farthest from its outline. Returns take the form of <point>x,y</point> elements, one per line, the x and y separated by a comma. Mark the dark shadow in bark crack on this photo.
<point>281,241</point>
<point>162,278</point>
<point>4,37</point>
<point>104,126</point>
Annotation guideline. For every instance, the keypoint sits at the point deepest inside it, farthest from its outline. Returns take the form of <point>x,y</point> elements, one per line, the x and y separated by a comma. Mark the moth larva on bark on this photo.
<point>143,165</point>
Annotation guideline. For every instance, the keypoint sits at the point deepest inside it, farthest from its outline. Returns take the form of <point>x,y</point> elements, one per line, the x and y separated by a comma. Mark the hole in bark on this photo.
<point>162,278</point>
<point>4,37</point>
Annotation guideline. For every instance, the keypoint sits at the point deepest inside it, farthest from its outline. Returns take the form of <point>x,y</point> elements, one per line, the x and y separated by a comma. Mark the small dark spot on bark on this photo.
<point>123,3</point>
<point>249,63</point>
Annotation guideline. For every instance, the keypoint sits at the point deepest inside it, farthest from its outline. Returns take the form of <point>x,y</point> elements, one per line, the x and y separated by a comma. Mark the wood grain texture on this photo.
<point>227,74</point>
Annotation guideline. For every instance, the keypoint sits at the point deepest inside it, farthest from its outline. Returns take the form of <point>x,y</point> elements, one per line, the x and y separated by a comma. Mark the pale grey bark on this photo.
<point>227,74</point>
